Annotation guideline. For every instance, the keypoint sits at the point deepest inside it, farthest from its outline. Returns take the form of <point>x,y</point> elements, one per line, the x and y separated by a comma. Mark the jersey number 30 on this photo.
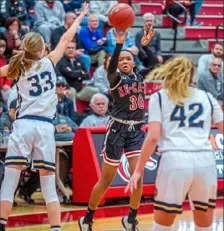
<point>37,89</point>
<point>195,110</point>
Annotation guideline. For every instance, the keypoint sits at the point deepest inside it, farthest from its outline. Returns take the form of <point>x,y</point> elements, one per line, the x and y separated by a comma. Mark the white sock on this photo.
<point>157,227</point>
<point>55,228</point>
<point>197,228</point>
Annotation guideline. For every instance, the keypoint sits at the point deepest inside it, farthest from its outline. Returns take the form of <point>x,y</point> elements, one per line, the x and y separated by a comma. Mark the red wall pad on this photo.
<point>87,146</point>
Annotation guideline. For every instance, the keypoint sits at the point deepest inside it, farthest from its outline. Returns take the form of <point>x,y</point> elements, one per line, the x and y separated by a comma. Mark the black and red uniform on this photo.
<point>124,132</point>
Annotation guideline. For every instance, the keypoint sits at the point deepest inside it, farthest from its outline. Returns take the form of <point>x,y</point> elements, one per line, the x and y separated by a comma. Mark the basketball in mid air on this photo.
<point>121,16</point>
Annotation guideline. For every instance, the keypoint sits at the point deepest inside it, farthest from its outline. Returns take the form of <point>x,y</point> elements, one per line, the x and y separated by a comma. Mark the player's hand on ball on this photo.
<point>133,183</point>
<point>148,35</point>
<point>120,36</point>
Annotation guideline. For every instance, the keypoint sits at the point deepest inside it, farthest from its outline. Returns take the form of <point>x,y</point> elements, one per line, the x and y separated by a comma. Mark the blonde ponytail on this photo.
<point>177,74</point>
<point>24,59</point>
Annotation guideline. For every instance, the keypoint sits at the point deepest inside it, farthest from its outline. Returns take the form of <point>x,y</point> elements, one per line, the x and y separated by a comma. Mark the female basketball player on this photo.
<point>32,138</point>
<point>180,121</point>
<point>124,130</point>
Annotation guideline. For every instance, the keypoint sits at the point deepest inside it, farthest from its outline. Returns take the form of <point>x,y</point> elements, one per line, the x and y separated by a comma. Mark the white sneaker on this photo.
<point>84,227</point>
<point>128,226</point>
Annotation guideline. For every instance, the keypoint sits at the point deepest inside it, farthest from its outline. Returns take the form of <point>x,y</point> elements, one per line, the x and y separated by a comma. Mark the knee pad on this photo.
<point>48,188</point>
<point>197,228</point>
<point>9,184</point>
<point>157,227</point>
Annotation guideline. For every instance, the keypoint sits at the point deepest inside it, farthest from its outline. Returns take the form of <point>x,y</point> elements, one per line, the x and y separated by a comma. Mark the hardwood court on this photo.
<point>183,223</point>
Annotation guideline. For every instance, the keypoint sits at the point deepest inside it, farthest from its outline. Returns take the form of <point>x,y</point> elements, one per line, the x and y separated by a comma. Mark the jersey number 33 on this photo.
<point>37,88</point>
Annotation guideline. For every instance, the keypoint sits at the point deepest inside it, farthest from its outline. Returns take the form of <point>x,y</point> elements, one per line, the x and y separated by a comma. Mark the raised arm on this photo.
<point>113,78</point>
<point>152,58</point>
<point>67,37</point>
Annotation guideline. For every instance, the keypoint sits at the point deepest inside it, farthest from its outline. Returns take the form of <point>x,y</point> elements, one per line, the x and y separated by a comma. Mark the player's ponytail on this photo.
<point>23,60</point>
<point>177,74</point>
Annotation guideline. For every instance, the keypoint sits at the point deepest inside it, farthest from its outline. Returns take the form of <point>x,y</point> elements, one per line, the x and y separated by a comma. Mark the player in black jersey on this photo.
<point>124,132</point>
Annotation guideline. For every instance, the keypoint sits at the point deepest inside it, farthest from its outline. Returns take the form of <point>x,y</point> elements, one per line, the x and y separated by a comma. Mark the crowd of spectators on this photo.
<point>91,47</point>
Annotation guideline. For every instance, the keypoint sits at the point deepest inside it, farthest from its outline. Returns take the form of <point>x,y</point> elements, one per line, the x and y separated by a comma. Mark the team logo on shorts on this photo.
<point>123,169</point>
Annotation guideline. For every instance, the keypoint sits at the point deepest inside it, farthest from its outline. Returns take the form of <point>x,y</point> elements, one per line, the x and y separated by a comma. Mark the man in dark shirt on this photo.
<point>59,31</point>
<point>154,45</point>
<point>75,72</point>
<point>65,105</point>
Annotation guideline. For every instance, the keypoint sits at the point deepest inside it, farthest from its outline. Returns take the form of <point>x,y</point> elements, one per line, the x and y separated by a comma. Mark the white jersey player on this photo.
<point>32,139</point>
<point>180,123</point>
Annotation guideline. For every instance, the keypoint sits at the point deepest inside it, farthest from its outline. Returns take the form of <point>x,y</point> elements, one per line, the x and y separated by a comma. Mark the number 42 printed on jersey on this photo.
<point>194,111</point>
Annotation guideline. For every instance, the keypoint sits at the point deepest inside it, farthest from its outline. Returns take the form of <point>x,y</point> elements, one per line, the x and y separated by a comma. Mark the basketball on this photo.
<point>121,16</point>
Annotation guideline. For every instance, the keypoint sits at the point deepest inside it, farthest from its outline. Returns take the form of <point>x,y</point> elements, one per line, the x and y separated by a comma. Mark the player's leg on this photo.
<point>173,182</point>
<point>203,191</point>
<point>111,159</point>
<point>44,160</point>
<point>135,197</point>
<point>9,185</point>
<point>133,143</point>
<point>48,188</point>
<point>19,148</point>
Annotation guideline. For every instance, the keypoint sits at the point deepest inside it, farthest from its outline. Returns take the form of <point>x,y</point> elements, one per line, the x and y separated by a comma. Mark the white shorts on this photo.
<point>32,141</point>
<point>181,173</point>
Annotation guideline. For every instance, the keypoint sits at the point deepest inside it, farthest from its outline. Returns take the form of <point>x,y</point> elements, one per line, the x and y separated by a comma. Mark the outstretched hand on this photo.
<point>120,36</point>
<point>148,35</point>
<point>133,183</point>
<point>85,9</point>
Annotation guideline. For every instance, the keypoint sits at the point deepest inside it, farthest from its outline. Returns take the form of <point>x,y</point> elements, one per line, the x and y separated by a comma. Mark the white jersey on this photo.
<point>185,128</point>
<point>37,91</point>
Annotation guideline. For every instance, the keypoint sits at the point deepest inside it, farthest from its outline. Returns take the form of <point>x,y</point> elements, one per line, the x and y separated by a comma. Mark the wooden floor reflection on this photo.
<point>183,223</point>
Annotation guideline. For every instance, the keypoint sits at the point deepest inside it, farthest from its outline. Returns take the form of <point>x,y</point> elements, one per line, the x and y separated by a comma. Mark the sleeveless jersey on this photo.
<point>37,91</point>
<point>187,127</point>
<point>128,98</point>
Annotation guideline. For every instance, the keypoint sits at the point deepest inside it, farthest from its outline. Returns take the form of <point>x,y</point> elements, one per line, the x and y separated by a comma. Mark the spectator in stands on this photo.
<point>212,81</point>
<point>176,10</point>
<point>71,5</point>
<point>154,45</point>
<point>99,105</point>
<point>49,15</point>
<point>18,9</point>
<point>65,128</point>
<point>75,72</point>
<point>100,80</point>
<point>5,83</point>
<point>7,119</point>
<point>59,31</point>
<point>93,41</point>
<point>65,105</point>
<point>4,13</point>
<point>203,62</point>
<point>13,35</point>
<point>129,44</point>
<point>101,9</point>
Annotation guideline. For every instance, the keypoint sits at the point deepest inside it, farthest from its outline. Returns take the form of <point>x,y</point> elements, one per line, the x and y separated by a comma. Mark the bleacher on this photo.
<point>192,41</point>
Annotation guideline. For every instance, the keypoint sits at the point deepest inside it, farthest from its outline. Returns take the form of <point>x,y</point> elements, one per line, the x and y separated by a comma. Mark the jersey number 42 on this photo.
<point>195,110</point>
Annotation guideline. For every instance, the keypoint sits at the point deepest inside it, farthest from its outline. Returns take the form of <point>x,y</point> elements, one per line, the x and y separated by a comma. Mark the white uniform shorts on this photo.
<point>32,141</point>
<point>186,173</point>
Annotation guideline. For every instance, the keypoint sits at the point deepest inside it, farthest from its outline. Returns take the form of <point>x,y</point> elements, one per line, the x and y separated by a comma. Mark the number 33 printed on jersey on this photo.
<point>194,111</point>
<point>37,88</point>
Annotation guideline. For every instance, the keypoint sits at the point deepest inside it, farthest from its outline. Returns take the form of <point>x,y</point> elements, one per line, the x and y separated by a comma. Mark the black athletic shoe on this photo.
<point>129,226</point>
<point>84,227</point>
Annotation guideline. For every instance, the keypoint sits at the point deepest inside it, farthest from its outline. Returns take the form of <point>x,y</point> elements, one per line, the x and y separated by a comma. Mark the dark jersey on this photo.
<point>128,97</point>
<point>128,91</point>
